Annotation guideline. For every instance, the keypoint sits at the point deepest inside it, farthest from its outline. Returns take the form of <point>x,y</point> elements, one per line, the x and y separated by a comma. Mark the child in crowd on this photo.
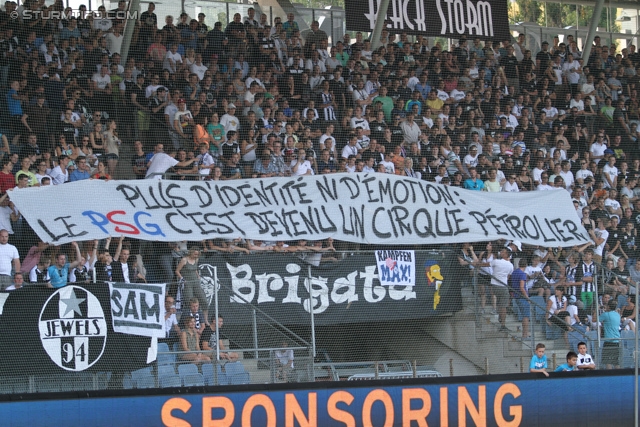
<point>585,361</point>
<point>571,365</point>
<point>539,360</point>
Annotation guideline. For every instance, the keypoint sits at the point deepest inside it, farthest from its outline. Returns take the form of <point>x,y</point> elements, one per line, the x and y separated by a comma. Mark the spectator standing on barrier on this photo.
<point>518,282</point>
<point>502,269</point>
<point>610,320</point>
<point>188,275</point>
<point>539,361</point>
<point>8,258</point>
<point>59,272</point>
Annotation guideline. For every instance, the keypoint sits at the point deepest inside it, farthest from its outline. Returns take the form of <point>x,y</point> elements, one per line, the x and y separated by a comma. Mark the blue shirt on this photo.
<point>566,367</point>
<point>76,175</point>
<point>476,185</point>
<point>538,362</point>
<point>59,275</point>
<point>611,323</point>
<point>514,281</point>
<point>15,108</point>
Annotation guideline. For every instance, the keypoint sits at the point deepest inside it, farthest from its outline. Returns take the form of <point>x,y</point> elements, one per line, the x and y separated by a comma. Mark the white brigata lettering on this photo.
<point>319,291</point>
<point>478,20</point>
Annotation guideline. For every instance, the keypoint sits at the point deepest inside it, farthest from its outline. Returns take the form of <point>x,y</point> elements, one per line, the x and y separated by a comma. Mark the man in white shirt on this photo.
<point>114,39</point>
<point>610,173</point>
<point>205,161</point>
<point>502,269</point>
<point>162,162</point>
<point>598,148</point>
<point>60,174</point>
<point>8,257</point>
<point>229,120</point>
<point>352,148</point>
<point>566,174</point>
<point>172,59</point>
<point>301,166</point>
<point>599,236</point>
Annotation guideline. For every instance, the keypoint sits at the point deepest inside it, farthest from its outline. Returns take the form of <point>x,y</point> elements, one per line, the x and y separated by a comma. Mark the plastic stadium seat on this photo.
<point>144,372</point>
<point>193,380</point>
<point>222,377</point>
<point>127,382</point>
<point>236,373</point>
<point>170,381</point>
<point>146,382</point>
<point>166,358</point>
<point>187,369</point>
<point>165,370</point>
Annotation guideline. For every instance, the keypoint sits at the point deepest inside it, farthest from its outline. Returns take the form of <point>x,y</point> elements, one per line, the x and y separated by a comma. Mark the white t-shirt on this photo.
<point>604,234</point>
<point>160,163</point>
<point>169,323</point>
<point>199,70</point>
<point>597,150</point>
<point>531,271</point>
<point>7,254</point>
<point>585,359</point>
<point>302,167</point>
<point>501,271</point>
<point>101,81</point>
<point>229,122</point>
<point>114,43</point>
<point>612,171</point>
<point>177,59</point>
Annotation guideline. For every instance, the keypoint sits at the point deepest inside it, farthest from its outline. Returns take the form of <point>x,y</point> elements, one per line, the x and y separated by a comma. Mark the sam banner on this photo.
<point>498,400</point>
<point>361,208</point>
<point>47,331</point>
<point>396,267</point>
<point>138,309</point>
<point>433,18</point>
<point>347,291</point>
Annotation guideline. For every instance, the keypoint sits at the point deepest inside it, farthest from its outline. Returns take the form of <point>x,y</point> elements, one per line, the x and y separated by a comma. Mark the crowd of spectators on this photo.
<point>250,100</point>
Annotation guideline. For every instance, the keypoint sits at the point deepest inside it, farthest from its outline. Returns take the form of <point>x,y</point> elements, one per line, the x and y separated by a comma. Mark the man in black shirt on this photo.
<point>543,58</point>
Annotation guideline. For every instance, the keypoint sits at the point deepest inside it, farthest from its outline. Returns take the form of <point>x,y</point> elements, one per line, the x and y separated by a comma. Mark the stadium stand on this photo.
<point>221,101</point>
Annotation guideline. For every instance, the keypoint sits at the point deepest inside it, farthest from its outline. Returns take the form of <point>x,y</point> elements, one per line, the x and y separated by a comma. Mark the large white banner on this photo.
<point>138,308</point>
<point>377,209</point>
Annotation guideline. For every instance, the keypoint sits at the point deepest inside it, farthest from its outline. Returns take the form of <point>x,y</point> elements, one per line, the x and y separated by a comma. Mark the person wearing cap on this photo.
<point>229,119</point>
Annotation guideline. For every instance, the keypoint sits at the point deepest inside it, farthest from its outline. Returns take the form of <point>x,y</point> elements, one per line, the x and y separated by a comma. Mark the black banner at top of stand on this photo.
<point>487,20</point>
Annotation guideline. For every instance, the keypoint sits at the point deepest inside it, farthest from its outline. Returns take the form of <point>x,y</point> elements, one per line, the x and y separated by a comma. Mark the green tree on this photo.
<point>525,11</point>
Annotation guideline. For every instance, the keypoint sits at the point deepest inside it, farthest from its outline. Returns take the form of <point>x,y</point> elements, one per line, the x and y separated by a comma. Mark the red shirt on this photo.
<point>7,181</point>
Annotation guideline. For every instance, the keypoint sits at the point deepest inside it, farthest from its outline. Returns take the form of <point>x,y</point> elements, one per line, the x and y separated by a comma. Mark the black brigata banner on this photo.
<point>286,287</point>
<point>434,18</point>
<point>52,331</point>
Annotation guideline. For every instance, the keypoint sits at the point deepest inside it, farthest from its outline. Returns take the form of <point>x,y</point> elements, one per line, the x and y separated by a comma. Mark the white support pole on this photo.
<point>377,29</point>
<point>593,27</point>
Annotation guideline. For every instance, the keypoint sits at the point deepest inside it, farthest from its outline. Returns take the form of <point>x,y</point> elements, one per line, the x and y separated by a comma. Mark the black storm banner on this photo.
<point>338,292</point>
<point>433,18</point>
<point>47,331</point>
